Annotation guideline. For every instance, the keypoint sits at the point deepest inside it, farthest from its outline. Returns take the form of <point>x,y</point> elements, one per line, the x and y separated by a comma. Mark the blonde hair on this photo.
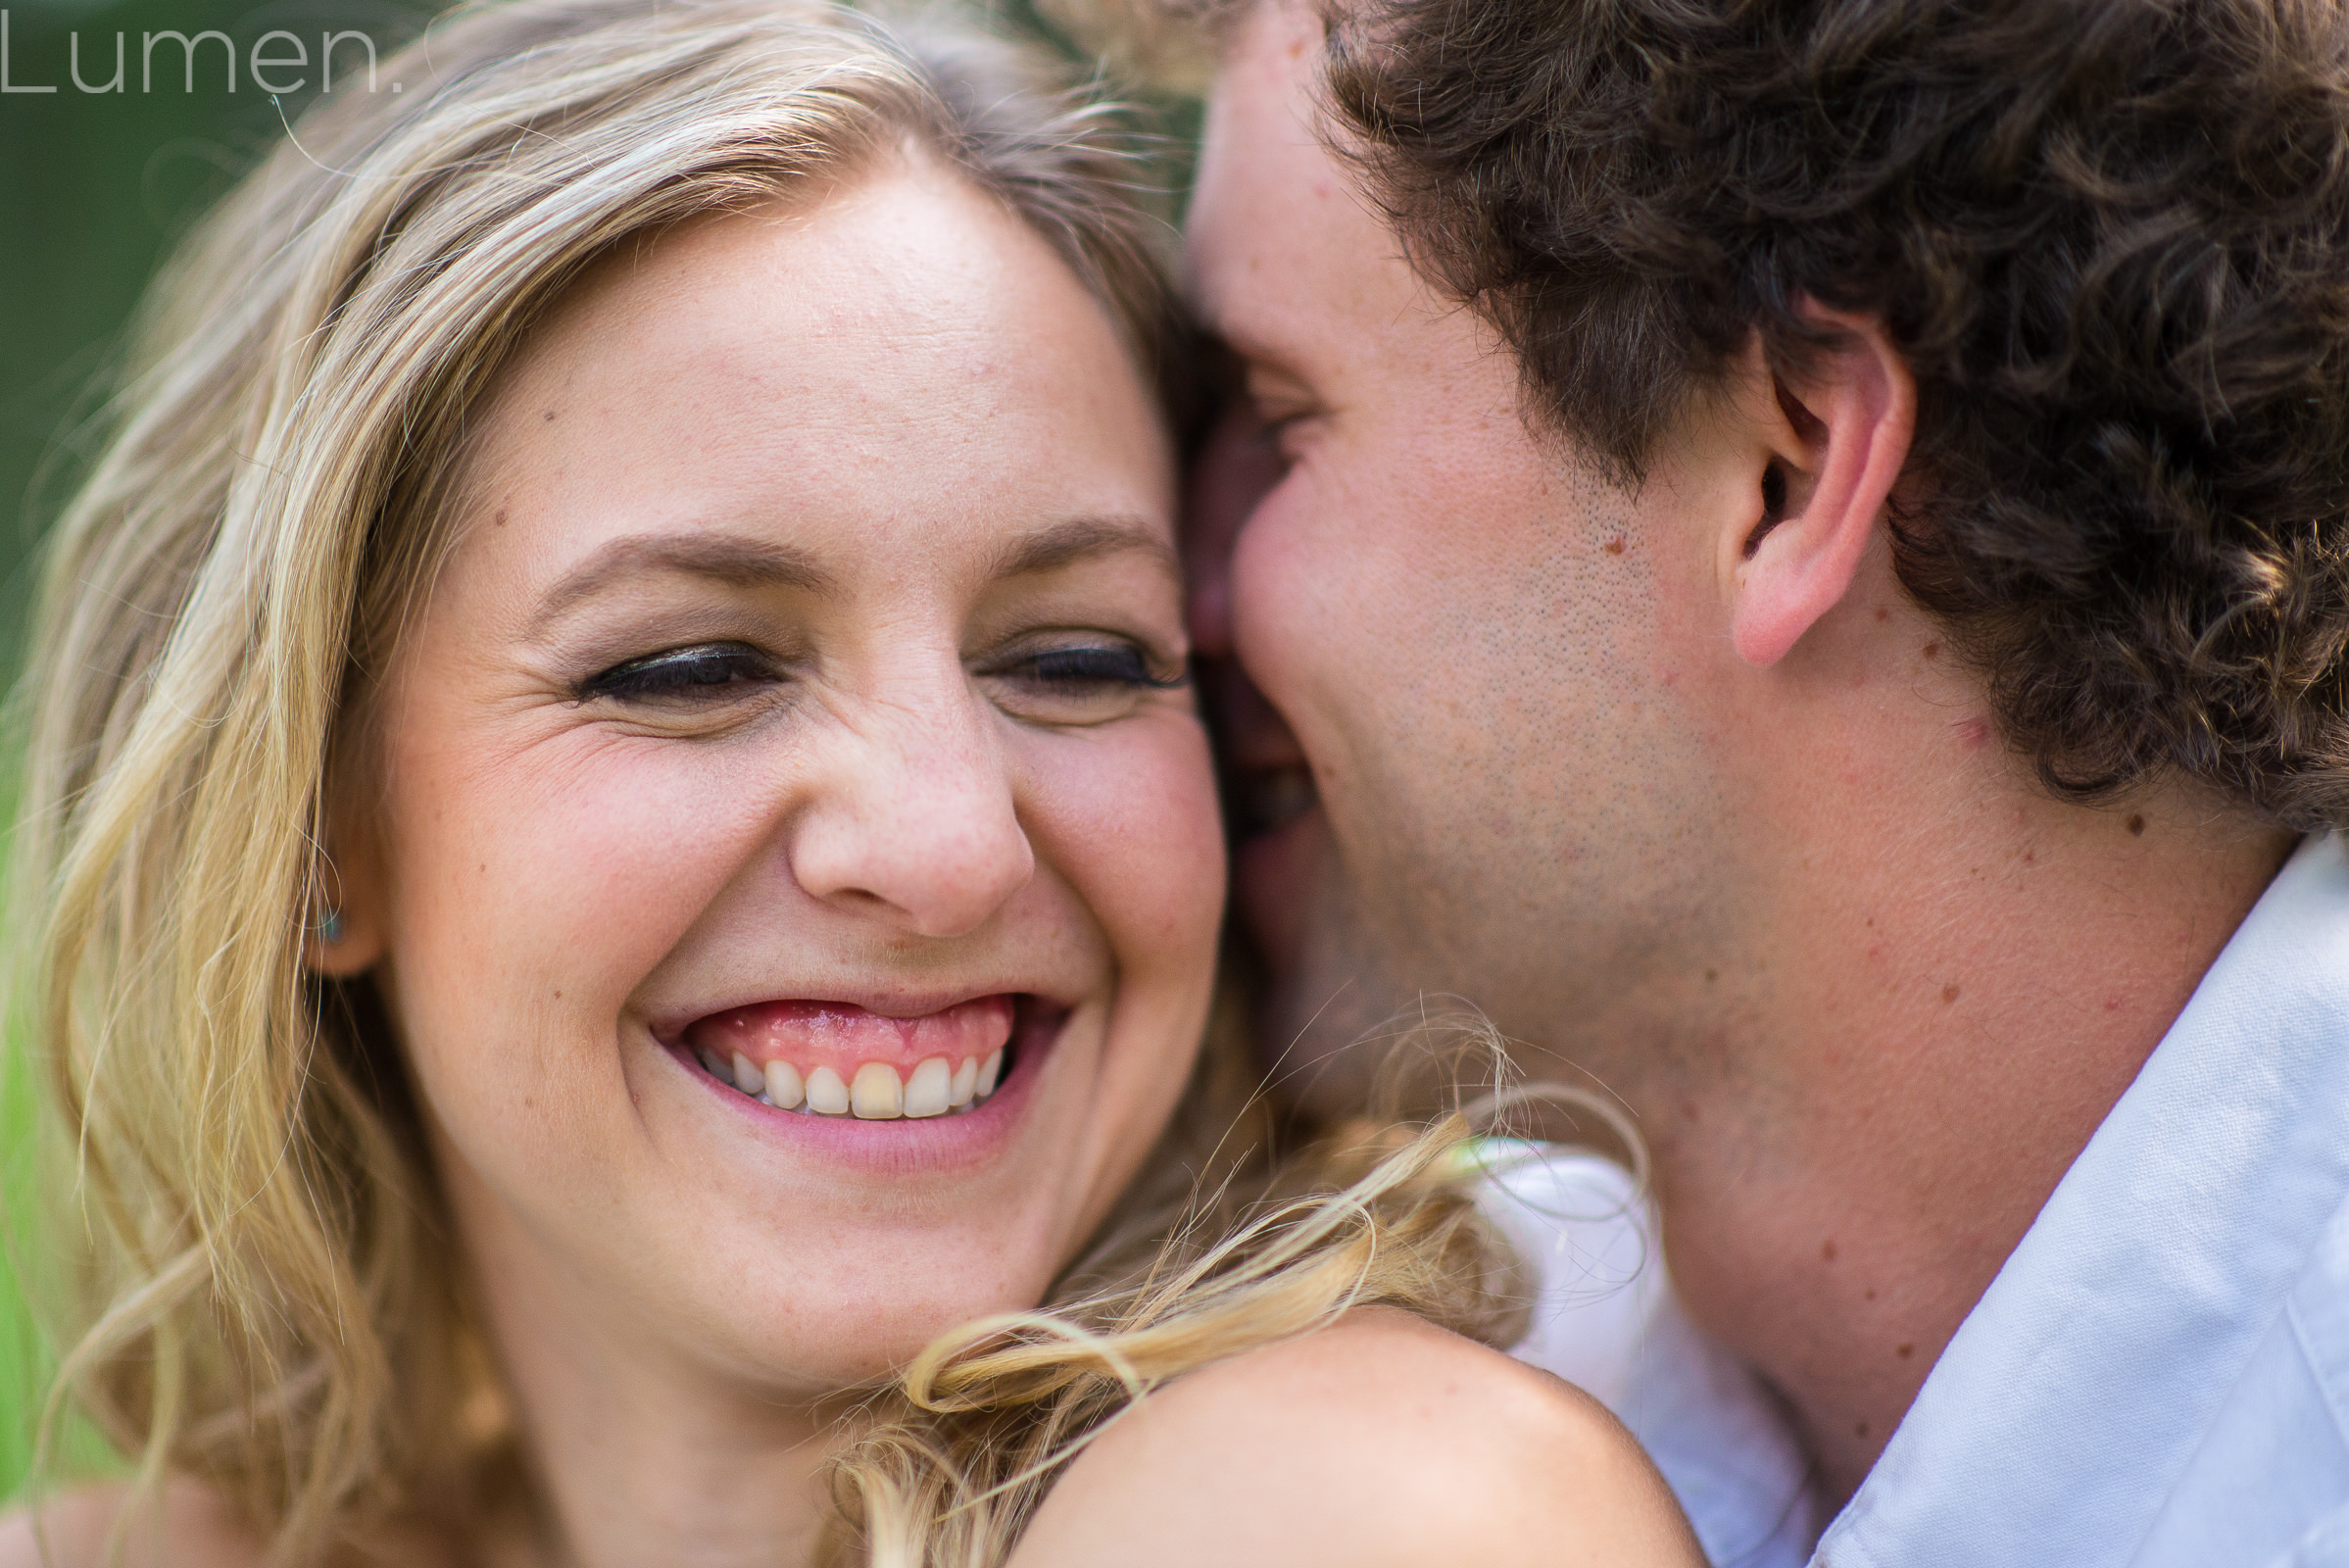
<point>268,1298</point>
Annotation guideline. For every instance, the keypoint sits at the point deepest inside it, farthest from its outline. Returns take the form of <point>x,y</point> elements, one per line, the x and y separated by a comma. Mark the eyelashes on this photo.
<point>711,670</point>
<point>1113,665</point>
<point>718,671</point>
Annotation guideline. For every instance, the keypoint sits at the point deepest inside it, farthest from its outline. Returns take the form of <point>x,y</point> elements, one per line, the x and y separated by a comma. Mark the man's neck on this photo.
<point>1873,1103</point>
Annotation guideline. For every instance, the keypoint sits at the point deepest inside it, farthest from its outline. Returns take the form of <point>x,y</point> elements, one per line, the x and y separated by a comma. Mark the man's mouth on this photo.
<point>1277,837</point>
<point>831,1058</point>
<point>1267,781</point>
<point>1266,799</point>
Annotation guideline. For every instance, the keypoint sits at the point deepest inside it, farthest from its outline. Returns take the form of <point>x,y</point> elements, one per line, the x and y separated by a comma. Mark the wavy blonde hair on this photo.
<point>265,1295</point>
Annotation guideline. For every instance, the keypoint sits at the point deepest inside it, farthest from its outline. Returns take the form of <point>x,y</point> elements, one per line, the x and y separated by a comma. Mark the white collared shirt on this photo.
<point>1605,1321</point>
<point>2157,1378</point>
<point>2160,1374</point>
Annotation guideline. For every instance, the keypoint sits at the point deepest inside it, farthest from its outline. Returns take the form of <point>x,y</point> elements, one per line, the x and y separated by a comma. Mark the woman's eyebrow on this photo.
<point>729,559</point>
<point>1064,544</point>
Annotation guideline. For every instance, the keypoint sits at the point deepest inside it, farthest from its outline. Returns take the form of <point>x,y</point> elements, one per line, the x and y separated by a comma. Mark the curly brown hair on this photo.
<point>2111,237</point>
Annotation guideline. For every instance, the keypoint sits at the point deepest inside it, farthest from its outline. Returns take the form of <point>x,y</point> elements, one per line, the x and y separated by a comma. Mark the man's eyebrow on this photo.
<point>1064,544</point>
<point>729,559</point>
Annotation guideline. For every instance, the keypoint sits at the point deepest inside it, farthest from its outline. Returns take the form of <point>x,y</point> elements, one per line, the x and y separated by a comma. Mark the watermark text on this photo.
<point>278,63</point>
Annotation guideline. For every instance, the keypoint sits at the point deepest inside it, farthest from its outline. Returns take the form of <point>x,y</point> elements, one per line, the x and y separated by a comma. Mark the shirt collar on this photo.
<point>2074,1393</point>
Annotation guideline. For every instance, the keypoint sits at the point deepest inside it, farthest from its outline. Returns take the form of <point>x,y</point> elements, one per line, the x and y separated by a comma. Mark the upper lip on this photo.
<point>668,1026</point>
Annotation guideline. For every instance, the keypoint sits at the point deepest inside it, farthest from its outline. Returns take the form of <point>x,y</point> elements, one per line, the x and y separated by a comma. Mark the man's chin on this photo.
<point>1336,1035</point>
<point>1280,893</point>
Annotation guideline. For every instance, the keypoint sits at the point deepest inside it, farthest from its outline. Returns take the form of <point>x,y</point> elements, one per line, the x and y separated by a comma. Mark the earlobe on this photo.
<point>1845,428</point>
<point>339,940</point>
<point>342,922</point>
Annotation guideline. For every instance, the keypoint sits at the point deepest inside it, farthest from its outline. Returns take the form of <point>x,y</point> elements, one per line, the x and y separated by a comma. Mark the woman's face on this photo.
<point>800,702</point>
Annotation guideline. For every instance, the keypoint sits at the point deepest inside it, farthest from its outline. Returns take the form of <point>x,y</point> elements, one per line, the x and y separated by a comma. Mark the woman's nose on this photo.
<point>914,821</point>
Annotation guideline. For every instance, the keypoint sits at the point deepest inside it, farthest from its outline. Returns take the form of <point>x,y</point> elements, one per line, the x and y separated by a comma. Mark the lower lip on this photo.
<point>904,1145</point>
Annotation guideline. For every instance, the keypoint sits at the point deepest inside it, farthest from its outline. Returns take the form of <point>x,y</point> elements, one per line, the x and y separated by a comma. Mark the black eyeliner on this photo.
<point>632,679</point>
<point>1136,674</point>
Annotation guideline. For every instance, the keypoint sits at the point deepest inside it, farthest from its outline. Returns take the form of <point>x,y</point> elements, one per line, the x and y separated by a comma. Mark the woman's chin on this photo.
<point>819,1252</point>
<point>816,1349</point>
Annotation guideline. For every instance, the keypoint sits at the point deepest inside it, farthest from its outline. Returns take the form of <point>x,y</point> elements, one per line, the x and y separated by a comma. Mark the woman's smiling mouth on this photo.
<point>833,1058</point>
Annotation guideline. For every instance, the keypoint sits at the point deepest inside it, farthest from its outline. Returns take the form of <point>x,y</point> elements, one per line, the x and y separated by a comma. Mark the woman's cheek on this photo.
<point>1135,826</point>
<point>532,898</point>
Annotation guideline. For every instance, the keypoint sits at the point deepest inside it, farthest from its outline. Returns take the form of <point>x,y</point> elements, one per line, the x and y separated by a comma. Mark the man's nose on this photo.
<point>914,820</point>
<point>1236,465</point>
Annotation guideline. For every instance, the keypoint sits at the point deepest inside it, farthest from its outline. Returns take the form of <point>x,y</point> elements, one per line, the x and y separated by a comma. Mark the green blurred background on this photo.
<point>94,188</point>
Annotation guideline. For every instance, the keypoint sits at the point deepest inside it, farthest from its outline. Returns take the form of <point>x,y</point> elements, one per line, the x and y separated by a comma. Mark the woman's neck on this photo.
<point>644,1451</point>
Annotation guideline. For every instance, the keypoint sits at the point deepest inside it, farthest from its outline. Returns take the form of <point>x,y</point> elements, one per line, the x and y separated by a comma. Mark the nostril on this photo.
<point>943,883</point>
<point>957,905</point>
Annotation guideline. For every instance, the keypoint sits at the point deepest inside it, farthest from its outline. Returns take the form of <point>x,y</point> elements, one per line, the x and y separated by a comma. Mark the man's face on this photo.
<point>1474,642</point>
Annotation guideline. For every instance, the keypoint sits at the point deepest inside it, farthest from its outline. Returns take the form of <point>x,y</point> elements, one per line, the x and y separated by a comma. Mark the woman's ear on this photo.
<point>345,923</point>
<point>1839,442</point>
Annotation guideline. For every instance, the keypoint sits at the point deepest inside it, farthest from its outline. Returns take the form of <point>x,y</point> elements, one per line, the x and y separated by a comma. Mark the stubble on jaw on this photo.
<point>1472,634</point>
<point>1521,826</point>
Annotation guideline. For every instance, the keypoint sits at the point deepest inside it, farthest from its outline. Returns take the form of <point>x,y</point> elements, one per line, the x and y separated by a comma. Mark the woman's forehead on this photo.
<point>907,351</point>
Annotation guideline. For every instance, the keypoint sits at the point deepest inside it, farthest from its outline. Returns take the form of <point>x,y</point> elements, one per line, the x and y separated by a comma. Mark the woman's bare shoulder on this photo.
<point>1380,1440</point>
<point>189,1527</point>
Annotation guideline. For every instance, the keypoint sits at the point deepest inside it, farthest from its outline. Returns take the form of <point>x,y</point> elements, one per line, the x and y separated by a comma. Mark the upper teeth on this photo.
<point>877,1093</point>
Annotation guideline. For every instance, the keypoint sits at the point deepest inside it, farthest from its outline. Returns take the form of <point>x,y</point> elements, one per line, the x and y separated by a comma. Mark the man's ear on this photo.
<point>345,923</point>
<point>1840,438</point>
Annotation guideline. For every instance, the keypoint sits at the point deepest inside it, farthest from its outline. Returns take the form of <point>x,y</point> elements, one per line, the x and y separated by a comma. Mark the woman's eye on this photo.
<point>1115,665</point>
<point>717,671</point>
<point>1093,670</point>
